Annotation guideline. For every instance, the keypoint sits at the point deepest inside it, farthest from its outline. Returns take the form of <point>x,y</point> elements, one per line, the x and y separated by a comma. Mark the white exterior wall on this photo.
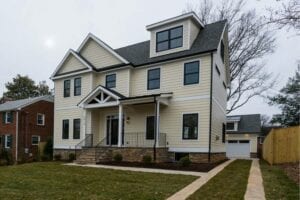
<point>71,64</point>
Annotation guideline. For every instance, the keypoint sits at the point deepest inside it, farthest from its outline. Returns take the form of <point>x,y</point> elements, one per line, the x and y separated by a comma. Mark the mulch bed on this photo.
<point>195,167</point>
<point>292,171</point>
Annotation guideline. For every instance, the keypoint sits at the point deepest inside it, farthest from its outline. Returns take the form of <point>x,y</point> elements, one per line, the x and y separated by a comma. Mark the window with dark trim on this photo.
<point>77,86</point>
<point>191,73</point>
<point>67,88</point>
<point>153,79</point>
<point>7,117</point>
<point>190,126</point>
<point>223,132</point>
<point>65,129</point>
<point>110,81</point>
<point>76,129</point>
<point>169,39</point>
<point>222,50</point>
<point>218,71</point>
<point>150,126</point>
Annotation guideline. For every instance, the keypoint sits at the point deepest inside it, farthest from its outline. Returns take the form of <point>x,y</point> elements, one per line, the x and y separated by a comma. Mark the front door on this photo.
<point>112,127</point>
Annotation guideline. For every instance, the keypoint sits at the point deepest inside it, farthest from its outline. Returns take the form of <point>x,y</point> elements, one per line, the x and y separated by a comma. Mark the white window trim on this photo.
<point>37,119</point>
<point>39,139</point>
<point>5,144</point>
<point>6,117</point>
<point>235,126</point>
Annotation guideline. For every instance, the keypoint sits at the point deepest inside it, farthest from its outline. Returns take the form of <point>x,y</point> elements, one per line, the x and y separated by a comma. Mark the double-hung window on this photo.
<point>76,129</point>
<point>40,119</point>
<point>169,39</point>
<point>153,79</point>
<point>110,81</point>
<point>35,139</point>
<point>8,141</point>
<point>191,73</point>
<point>190,126</point>
<point>150,126</point>
<point>77,86</point>
<point>65,129</point>
<point>7,117</point>
<point>67,88</point>
<point>230,126</point>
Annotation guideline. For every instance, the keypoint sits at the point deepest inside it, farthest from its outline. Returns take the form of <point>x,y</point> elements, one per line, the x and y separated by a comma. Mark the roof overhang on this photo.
<point>152,98</point>
<point>233,118</point>
<point>71,52</point>
<point>190,15</point>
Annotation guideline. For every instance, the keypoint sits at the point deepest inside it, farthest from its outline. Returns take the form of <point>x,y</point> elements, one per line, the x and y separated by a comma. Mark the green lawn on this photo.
<point>276,183</point>
<point>50,180</point>
<point>230,183</point>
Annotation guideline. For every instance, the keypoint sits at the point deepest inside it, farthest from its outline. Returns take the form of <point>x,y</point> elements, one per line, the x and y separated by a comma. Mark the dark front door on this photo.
<point>112,126</point>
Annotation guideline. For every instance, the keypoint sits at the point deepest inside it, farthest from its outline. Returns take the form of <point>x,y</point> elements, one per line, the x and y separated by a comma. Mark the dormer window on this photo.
<point>169,39</point>
<point>232,126</point>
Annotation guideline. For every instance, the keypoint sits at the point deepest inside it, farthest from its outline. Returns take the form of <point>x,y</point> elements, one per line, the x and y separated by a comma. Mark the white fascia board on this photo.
<point>102,44</point>
<point>174,19</point>
<point>70,74</point>
<point>70,52</point>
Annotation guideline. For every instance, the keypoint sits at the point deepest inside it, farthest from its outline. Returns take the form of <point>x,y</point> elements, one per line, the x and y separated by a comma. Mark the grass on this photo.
<point>230,183</point>
<point>277,184</point>
<point>50,180</point>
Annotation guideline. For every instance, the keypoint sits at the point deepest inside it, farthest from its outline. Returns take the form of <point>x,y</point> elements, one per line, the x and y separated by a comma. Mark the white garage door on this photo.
<point>238,149</point>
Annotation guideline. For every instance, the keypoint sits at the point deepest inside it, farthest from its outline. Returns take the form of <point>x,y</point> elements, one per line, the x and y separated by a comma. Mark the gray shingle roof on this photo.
<point>207,40</point>
<point>13,105</point>
<point>248,124</point>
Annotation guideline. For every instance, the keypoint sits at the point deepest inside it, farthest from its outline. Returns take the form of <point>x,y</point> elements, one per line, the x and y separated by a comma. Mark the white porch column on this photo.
<point>120,125</point>
<point>157,115</point>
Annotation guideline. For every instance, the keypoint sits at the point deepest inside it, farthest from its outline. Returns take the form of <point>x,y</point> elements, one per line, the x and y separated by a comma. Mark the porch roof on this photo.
<point>105,97</point>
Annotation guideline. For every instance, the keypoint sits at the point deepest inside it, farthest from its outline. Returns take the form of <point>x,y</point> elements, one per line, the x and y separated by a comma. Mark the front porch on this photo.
<point>112,121</point>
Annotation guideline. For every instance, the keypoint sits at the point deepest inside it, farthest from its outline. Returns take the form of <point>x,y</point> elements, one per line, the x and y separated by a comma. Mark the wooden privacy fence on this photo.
<point>282,145</point>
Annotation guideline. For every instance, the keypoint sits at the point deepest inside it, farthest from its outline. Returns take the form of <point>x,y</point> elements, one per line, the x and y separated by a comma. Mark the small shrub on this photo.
<point>57,157</point>
<point>118,157</point>
<point>71,157</point>
<point>147,159</point>
<point>184,161</point>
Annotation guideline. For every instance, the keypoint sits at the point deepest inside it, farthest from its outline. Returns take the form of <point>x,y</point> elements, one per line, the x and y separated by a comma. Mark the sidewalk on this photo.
<point>255,188</point>
<point>194,186</point>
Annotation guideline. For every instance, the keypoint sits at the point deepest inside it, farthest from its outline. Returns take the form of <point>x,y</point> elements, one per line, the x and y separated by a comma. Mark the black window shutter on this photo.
<point>12,117</point>
<point>3,117</point>
<point>3,141</point>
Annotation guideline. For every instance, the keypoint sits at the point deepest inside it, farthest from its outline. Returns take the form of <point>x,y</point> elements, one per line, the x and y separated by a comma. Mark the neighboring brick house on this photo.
<point>25,123</point>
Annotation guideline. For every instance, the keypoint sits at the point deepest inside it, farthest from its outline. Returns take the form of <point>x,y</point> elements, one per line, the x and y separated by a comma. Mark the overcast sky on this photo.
<point>35,35</point>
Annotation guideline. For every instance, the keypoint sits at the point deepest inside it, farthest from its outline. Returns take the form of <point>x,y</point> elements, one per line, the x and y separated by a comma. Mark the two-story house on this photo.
<point>165,97</point>
<point>25,123</point>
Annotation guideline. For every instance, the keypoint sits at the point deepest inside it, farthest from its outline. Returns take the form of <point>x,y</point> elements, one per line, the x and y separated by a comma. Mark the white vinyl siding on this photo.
<point>97,55</point>
<point>71,64</point>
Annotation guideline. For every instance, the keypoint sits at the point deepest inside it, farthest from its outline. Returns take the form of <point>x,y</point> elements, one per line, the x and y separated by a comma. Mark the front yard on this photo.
<point>231,183</point>
<point>52,180</point>
<point>277,184</point>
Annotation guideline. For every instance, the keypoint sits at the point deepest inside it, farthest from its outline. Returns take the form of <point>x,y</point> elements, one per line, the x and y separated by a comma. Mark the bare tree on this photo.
<point>265,120</point>
<point>249,42</point>
<point>286,16</point>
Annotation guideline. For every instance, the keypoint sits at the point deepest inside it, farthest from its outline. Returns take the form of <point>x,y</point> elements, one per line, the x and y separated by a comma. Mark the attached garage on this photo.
<point>238,149</point>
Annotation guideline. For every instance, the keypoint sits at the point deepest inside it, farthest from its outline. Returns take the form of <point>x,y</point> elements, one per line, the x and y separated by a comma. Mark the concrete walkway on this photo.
<point>138,169</point>
<point>194,186</point>
<point>255,188</point>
